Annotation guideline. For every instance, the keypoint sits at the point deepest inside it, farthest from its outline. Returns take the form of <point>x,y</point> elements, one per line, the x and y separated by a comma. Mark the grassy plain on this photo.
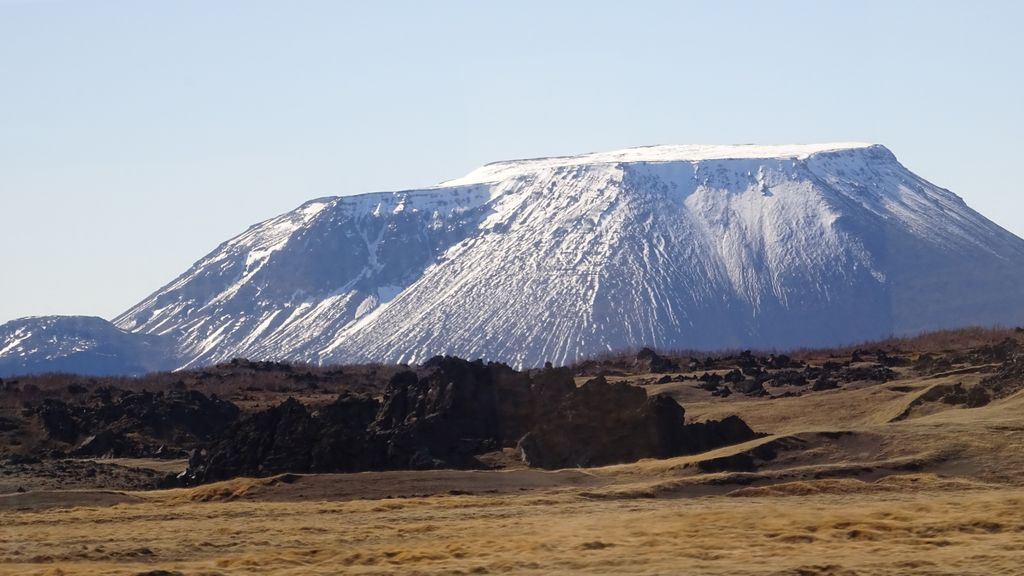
<point>869,479</point>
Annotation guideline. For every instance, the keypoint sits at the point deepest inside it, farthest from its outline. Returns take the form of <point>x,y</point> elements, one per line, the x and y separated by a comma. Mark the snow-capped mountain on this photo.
<point>79,344</point>
<point>555,259</point>
<point>288,286</point>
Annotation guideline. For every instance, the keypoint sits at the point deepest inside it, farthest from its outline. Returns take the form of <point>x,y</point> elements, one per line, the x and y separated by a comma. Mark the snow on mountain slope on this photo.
<point>559,258</point>
<point>80,344</point>
<point>497,171</point>
<point>287,285</point>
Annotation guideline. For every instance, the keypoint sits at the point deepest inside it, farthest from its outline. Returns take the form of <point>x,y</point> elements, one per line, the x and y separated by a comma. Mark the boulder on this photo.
<point>107,444</point>
<point>749,387</point>
<point>734,376</point>
<point>704,436</point>
<point>824,383</point>
<point>648,360</point>
<point>712,380</point>
<point>788,378</point>
<point>875,373</point>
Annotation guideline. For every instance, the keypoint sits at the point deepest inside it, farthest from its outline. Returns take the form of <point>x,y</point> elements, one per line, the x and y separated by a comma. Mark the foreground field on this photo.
<point>871,478</point>
<point>911,526</point>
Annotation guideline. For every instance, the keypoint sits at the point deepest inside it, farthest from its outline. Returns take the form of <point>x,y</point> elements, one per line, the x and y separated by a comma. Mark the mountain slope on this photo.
<point>840,246</point>
<point>558,258</point>
<point>80,344</point>
<point>287,285</point>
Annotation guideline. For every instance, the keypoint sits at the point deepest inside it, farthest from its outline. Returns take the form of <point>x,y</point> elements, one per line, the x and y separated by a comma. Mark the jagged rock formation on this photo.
<point>450,412</point>
<point>122,423</point>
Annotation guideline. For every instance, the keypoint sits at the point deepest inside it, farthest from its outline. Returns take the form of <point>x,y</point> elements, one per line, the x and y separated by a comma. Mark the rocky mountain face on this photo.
<point>557,259</point>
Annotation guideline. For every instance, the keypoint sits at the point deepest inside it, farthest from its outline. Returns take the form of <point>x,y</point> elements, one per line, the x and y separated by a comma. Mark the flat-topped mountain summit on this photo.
<point>503,170</point>
<point>556,259</point>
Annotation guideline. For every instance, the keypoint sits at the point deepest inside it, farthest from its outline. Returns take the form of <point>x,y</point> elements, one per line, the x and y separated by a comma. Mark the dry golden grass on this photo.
<point>929,527</point>
<point>853,491</point>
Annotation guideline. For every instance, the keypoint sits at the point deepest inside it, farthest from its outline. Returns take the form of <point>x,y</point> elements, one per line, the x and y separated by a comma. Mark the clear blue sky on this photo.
<point>135,136</point>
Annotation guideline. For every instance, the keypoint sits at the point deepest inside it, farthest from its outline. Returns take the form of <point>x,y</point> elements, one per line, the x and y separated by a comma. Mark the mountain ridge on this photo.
<point>555,259</point>
<point>87,345</point>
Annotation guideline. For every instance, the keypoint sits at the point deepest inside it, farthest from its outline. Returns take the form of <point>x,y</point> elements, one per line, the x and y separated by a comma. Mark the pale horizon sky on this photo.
<point>137,136</point>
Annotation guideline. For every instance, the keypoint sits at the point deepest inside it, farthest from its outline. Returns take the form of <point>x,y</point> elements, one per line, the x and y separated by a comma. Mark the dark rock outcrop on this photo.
<point>734,376</point>
<point>58,420</point>
<point>648,360</point>
<point>288,437</point>
<point>702,436</point>
<point>787,378</point>
<point>121,423</point>
<point>604,423</point>
<point>781,362</point>
<point>952,394</point>
<point>824,383</point>
<point>875,373</point>
<point>450,411</point>
<point>1008,378</point>
<point>749,387</point>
